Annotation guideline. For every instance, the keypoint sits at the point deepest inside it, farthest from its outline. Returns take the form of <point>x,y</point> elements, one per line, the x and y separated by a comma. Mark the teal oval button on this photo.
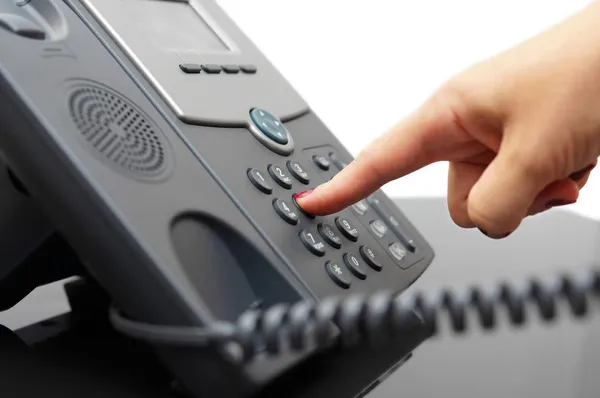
<point>270,126</point>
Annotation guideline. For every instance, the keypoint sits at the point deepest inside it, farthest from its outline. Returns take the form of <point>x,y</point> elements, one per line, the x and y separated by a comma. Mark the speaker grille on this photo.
<point>118,131</point>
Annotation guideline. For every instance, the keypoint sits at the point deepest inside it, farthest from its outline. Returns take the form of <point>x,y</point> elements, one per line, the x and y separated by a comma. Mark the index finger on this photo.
<point>402,150</point>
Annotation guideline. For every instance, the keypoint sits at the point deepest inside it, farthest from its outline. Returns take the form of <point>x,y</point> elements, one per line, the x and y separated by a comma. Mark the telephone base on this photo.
<point>79,354</point>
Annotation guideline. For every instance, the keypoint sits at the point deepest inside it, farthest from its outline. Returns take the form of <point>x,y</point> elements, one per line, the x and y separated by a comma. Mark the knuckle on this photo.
<point>529,164</point>
<point>450,104</point>
<point>446,101</point>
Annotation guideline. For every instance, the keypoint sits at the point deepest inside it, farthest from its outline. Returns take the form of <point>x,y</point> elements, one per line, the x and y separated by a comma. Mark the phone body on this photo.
<point>167,152</point>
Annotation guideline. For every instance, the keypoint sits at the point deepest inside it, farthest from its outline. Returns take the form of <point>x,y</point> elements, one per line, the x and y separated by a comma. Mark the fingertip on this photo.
<point>309,202</point>
<point>321,201</point>
<point>300,195</point>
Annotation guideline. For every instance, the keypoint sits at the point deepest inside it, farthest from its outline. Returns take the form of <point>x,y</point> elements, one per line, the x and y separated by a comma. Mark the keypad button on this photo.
<point>339,163</point>
<point>378,228</point>
<point>280,176</point>
<point>298,172</point>
<point>190,68</point>
<point>258,179</point>
<point>231,69</point>
<point>328,233</point>
<point>347,229</point>
<point>397,251</point>
<point>322,162</point>
<point>355,265</point>
<point>370,258</point>
<point>361,208</point>
<point>285,211</point>
<point>212,69</point>
<point>313,242</point>
<point>250,69</point>
<point>340,276</point>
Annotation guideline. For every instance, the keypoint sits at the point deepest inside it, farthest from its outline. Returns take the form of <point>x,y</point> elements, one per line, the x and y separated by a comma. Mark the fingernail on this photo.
<point>493,236</point>
<point>557,202</point>
<point>303,194</point>
<point>578,175</point>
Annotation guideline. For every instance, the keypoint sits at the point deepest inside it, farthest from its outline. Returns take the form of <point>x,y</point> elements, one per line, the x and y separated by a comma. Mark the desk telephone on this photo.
<point>165,149</point>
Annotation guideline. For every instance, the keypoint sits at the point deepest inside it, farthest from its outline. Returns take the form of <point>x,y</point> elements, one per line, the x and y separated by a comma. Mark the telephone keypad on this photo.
<point>259,180</point>
<point>328,233</point>
<point>285,211</point>
<point>355,266</point>
<point>358,259</point>
<point>313,242</point>
<point>280,176</point>
<point>340,276</point>
<point>298,172</point>
<point>370,258</point>
<point>347,229</point>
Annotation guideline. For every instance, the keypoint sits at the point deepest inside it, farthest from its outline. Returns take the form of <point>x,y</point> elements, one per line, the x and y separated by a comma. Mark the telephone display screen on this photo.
<point>173,25</point>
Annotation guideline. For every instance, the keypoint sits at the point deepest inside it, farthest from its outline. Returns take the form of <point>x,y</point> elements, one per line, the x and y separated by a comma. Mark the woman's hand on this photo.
<point>521,133</point>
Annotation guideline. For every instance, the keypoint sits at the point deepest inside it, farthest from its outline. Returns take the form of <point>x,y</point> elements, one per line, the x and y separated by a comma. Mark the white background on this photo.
<point>363,65</point>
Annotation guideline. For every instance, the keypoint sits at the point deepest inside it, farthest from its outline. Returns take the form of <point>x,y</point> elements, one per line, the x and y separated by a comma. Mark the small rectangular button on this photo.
<point>392,223</point>
<point>361,207</point>
<point>378,228</point>
<point>250,69</point>
<point>190,68</point>
<point>398,253</point>
<point>232,69</point>
<point>212,69</point>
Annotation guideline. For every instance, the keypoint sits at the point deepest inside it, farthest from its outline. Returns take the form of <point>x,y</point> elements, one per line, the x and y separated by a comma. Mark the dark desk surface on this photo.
<point>559,360</point>
<point>550,361</point>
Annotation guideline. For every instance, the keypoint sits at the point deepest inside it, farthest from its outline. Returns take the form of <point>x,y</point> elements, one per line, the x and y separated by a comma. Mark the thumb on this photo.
<point>398,152</point>
<point>508,187</point>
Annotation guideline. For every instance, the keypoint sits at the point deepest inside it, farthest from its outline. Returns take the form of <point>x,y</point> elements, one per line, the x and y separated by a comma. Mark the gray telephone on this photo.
<point>166,150</point>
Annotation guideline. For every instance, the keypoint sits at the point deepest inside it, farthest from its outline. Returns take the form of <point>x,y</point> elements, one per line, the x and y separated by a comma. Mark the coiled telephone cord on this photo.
<point>373,318</point>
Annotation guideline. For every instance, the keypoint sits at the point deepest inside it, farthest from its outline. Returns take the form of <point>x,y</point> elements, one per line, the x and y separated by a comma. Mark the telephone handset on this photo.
<point>166,149</point>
